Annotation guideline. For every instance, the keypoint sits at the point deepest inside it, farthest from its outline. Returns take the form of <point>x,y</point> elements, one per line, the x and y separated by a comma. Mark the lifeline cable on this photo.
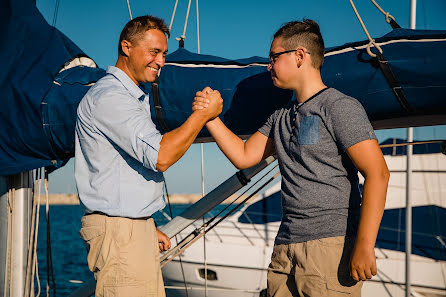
<point>176,239</point>
<point>192,237</point>
<point>200,232</point>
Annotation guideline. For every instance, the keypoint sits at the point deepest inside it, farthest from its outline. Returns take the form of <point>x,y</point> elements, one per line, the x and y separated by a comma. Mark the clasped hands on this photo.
<point>209,102</point>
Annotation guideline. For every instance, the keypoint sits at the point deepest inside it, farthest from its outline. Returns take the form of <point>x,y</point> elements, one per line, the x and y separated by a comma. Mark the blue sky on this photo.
<point>231,29</point>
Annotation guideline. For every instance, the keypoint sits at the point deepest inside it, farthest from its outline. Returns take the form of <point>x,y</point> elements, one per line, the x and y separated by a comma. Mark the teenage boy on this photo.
<point>325,243</point>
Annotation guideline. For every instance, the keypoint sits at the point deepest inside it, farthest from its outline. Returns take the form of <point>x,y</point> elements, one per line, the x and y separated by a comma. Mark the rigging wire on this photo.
<point>130,11</point>
<point>198,29</point>
<point>56,11</point>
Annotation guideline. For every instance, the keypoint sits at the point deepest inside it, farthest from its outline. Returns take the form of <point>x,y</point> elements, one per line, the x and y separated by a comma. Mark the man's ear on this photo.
<point>125,47</point>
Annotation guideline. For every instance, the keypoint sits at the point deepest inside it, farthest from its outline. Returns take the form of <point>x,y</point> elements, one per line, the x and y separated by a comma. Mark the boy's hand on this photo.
<point>163,241</point>
<point>363,262</point>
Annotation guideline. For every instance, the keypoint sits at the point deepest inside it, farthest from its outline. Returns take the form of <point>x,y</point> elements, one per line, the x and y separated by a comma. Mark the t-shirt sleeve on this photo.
<point>267,128</point>
<point>349,123</point>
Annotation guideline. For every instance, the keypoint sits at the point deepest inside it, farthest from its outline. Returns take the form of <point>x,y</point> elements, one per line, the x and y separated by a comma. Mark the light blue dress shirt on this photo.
<point>116,150</point>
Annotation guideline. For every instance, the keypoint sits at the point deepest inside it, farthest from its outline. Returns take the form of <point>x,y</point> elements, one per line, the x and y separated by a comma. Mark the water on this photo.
<point>68,249</point>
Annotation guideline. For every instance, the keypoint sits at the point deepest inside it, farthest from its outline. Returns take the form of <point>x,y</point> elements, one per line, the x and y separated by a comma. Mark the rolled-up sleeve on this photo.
<point>124,121</point>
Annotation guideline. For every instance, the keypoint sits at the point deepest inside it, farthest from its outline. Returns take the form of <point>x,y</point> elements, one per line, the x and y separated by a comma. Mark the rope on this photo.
<point>185,24</point>
<point>49,254</point>
<point>173,15</point>
<point>35,265</point>
<point>130,11</point>
<point>372,41</point>
<point>389,17</point>
<point>30,243</point>
<point>8,242</point>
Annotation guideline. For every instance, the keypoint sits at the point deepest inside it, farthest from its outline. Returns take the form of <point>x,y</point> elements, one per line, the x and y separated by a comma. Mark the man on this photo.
<point>321,141</point>
<point>119,160</point>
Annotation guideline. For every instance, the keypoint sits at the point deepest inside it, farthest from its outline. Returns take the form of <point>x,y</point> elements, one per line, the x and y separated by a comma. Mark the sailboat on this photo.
<point>238,250</point>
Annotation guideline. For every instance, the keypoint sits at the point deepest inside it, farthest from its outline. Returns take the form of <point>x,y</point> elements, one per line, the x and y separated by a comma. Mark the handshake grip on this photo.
<point>208,102</point>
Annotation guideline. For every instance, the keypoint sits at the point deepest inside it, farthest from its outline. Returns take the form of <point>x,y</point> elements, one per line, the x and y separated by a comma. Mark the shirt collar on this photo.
<point>133,89</point>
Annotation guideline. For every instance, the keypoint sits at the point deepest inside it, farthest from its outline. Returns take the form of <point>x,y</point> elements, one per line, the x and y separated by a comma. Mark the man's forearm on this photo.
<point>176,142</point>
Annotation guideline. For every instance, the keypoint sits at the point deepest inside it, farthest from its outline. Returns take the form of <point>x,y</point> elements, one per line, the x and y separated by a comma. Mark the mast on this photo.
<point>15,222</point>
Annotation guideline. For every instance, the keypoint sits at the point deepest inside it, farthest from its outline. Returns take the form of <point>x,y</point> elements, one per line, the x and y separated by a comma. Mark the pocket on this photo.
<point>91,232</point>
<point>309,130</point>
<point>94,238</point>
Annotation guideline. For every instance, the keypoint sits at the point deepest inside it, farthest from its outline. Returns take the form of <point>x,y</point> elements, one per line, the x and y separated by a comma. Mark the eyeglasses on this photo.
<point>274,56</point>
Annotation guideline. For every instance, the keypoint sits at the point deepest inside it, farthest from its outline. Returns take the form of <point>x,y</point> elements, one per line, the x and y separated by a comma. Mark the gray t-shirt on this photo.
<point>320,193</point>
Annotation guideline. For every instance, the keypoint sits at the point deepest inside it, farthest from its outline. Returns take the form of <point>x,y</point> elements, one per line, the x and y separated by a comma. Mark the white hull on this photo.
<point>239,253</point>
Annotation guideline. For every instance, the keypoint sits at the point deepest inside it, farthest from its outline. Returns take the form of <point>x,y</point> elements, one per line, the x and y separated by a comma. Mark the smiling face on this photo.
<point>145,56</point>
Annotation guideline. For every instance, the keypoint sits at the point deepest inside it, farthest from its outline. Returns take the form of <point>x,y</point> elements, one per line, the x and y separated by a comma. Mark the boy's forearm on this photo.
<point>372,209</point>
<point>230,144</point>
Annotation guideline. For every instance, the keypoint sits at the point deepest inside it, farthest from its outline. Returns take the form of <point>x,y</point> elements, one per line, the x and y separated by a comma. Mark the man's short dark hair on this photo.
<point>305,33</point>
<point>135,29</point>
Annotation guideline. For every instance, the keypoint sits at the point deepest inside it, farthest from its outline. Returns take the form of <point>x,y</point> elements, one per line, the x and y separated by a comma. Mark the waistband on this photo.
<point>104,214</point>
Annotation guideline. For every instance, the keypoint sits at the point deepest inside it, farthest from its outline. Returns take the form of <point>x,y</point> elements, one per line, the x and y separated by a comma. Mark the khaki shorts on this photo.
<point>313,268</point>
<point>124,256</point>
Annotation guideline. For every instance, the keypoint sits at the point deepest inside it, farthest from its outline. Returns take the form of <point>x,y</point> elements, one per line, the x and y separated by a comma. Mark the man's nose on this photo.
<point>160,60</point>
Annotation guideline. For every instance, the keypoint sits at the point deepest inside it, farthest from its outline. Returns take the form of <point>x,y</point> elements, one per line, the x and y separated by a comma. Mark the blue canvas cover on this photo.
<point>416,59</point>
<point>38,101</point>
<point>38,104</point>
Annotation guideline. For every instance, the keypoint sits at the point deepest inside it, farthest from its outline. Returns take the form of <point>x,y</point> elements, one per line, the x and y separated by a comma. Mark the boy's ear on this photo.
<point>299,58</point>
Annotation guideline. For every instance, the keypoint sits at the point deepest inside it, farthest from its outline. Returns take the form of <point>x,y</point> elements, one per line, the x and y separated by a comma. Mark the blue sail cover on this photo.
<point>39,101</point>
<point>416,59</point>
<point>38,104</point>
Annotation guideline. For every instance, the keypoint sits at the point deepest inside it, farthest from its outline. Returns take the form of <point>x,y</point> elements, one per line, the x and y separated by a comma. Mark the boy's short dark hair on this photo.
<point>134,29</point>
<point>304,33</point>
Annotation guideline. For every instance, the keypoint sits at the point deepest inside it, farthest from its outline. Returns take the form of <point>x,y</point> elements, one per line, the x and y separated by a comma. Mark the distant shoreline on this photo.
<point>72,199</point>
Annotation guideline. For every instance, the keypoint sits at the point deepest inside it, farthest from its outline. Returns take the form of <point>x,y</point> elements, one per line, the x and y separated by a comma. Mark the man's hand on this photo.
<point>209,102</point>
<point>163,241</point>
<point>363,262</point>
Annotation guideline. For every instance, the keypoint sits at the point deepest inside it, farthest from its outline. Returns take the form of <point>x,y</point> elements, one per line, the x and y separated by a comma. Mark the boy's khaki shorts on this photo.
<point>124,256</point>
<point>314,268</point>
